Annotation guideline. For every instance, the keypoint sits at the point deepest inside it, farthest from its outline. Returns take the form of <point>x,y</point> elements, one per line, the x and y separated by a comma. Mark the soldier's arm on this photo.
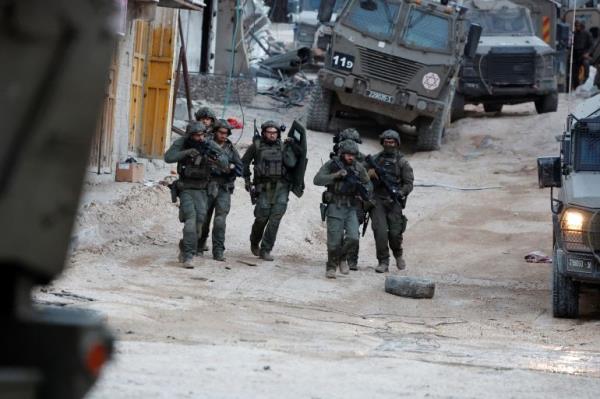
<point>221,160</point>
<point>363,176</point>
<point>324,177</point>
<point>175,152</point>
<point>236,160</point>
<point>408,178</point>
<point>247,159</point>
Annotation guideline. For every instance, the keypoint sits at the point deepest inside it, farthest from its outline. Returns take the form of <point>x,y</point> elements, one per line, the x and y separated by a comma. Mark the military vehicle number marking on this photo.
<point>579,265</point>
<point>380,96</point>
<point>342,61</point>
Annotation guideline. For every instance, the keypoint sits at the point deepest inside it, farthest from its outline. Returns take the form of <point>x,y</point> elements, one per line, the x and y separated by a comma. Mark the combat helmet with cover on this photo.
<point>195,127</point>
<point>390,135</point>
<point>205,112</point>
<point>222,124</point>
<point>348,147</point>
<point>350,134</point>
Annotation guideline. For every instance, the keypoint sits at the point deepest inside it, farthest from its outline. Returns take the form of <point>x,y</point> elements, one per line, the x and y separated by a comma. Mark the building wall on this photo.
<point>191,22</point>
<point>125,54</point>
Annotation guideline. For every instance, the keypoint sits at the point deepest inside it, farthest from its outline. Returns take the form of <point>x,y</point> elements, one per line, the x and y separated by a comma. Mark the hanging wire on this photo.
<point>570,93</point>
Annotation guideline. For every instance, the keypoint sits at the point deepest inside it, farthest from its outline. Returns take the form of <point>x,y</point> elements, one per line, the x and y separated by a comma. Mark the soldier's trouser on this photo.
<point>221,203</point>
<point>388,224</point>
<point>271,205</point>
<point>192,212</point>
<point>342,233</point>
<point>352,255</point>
<point>206,226</point>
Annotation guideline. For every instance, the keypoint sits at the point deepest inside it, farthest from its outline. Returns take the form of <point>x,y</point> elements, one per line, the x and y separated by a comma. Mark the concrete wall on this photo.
<point>125,54</point>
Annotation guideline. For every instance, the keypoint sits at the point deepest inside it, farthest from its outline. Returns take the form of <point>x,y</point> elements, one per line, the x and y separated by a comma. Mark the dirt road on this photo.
<point>280,329</point>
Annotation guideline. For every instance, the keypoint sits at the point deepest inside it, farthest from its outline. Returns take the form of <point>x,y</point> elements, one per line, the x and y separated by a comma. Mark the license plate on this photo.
<point>579,265</point>
<point>386,98</point>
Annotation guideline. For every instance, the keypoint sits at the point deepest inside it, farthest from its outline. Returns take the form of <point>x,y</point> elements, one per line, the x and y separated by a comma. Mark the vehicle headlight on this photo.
<point>545,65</point>
<point>573,220</point>
<point>574,230</point>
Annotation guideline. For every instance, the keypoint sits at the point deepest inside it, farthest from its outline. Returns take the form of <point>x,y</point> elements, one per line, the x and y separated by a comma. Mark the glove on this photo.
<point>372,174</point>
<point>340,174</point>
<point>191,152</point>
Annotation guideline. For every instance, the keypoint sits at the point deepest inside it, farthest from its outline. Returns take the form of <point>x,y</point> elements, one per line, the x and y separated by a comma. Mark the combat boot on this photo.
<point>400,263</point>
<point>330,273</point>
<point>352,265</point>
<point>344,267</point>
<point>266,255</point>
<point>254,249</point>
<point>219,256</point>
<point>188,262</point>
<point>382,267</point>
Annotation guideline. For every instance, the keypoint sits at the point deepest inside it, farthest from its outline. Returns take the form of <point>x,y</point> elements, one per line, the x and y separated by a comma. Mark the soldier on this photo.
<point>354,135</point>
<point>388,222</point>
<point>219,192</point>
<point>197,158</point>
<point>208,118</point>
<point>347,182</point>
<point>273,161</point>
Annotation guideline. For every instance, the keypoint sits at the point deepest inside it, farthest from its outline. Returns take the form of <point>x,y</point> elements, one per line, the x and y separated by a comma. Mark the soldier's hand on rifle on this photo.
<point>191,152</point>
<point>372,174</point>
<point>340,174</point>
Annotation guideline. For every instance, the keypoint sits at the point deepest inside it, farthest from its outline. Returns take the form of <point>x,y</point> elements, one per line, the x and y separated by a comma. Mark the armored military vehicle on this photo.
<point>512,64</point>
<point>574,178</point>
<point>54,83</point>
<point>395,61</point>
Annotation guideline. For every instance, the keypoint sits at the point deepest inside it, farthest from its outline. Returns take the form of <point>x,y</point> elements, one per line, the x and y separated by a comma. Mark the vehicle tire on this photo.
<point>547,103</point>
<point>319,112</point>
<point>565,294</point>
<point>493,107</point>
<point>458,107</point>
<point>429,134</point>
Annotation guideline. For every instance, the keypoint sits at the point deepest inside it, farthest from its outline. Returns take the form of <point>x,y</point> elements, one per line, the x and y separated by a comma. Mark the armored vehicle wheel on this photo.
<point>458,107</point>
<point>547,103</point>
<point>430,134</point>
<point>565,294</point>
<point>492,107</point>
<point>319,112</point>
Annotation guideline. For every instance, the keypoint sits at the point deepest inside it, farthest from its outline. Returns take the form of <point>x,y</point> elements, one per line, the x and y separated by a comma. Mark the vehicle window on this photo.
<point>588,152</point>
<point>504,22</point>
<point>377,19</point>
<point>427,31</point>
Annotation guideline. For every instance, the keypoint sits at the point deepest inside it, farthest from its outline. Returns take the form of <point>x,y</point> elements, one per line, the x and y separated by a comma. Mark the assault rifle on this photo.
<point>388,183</point>
<point>353,179</point>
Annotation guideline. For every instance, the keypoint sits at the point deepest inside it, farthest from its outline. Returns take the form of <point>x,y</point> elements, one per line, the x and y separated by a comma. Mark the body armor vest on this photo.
<point>391,164</point>
<point>268,164</point>
<point>341,187</point>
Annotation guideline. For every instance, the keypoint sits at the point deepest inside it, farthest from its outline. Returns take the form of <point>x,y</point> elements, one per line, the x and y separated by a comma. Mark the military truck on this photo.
<point>574,179</point>
<point>394,61</point>
<point>55,83</point>
<point>512,65</point>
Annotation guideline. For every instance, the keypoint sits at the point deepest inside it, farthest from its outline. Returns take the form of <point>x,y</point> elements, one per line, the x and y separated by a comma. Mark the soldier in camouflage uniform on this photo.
<point>272,160</point>
<point>208,118</point>
<point>354,135</point>
<point>344,178</point>
<point>197,159</point>
<point>220,189</point>
<point>387,220</point>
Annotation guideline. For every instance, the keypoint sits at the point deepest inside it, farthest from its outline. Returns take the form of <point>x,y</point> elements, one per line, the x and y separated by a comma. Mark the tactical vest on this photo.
<point>268,161</point>
<point>340,187</point>
<point>393,168</point>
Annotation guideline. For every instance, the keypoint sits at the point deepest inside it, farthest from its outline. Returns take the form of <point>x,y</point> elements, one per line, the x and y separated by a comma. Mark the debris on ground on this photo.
<point>537,257</point>
<point>409,287</point>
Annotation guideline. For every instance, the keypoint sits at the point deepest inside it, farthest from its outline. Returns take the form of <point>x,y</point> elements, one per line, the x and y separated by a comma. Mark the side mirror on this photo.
<point>473,40</point>
<point>549,172</point>
<point>325,11</point>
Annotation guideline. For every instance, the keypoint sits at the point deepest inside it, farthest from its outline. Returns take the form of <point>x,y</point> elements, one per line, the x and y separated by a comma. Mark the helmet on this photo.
<point>205,112</point>
<point>272,124</point>
<point>348,147</point>
<point>222,124</point>
<point>390,134</point>
<point>195,127</point>
<point>350,134</point>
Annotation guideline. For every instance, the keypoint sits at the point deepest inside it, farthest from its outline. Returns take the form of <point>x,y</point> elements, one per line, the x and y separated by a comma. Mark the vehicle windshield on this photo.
<point>427,31</point>
<point>373,17</point>
<point>588,152</point>
<point>504,22</point>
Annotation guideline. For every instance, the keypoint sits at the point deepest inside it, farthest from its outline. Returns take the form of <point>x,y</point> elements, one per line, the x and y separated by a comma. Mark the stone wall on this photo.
<point>212,88</point>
